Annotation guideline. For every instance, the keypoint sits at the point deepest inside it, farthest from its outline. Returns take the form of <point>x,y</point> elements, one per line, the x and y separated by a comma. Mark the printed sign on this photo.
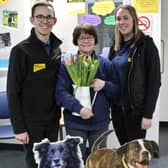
<point>3,1</point>
<point>145,24</point>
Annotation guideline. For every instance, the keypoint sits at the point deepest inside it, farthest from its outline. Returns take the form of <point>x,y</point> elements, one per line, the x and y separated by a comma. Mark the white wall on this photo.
<point>164,61</point>
<point>65,25</point>
<point>153,133</point>
<point>17,34</point>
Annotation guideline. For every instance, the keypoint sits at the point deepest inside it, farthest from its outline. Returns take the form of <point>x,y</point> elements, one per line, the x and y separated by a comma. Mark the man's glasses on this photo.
<point>84,38</point>
<point>41,18</point>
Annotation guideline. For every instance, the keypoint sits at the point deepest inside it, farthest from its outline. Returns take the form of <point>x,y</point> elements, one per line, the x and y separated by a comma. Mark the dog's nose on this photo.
<point>145,154</point>
<point>56,161</point>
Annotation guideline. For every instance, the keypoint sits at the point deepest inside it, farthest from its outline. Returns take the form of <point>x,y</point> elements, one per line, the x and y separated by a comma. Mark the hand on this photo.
<point>146,123</point>
<point>86,113</point>
<point>22,137</point>
<point>97,84</point>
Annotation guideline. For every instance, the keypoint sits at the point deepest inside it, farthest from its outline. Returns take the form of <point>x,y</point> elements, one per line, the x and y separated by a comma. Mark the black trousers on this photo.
<point>88,137</point>
<point>127,125</point>
<point>36,134</point>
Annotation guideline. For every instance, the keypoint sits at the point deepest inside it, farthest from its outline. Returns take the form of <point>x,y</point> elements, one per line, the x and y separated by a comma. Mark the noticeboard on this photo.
<point>104,21</point>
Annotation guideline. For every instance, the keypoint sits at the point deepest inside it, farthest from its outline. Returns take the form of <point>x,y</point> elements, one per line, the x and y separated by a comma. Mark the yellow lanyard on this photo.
<point>124,163</point>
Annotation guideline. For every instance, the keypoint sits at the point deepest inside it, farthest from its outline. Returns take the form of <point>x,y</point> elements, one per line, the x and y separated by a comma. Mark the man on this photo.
<point>31,81</point>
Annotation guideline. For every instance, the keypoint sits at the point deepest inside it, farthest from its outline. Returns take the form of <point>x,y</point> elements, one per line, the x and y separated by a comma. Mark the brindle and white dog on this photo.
<point>139,151</point>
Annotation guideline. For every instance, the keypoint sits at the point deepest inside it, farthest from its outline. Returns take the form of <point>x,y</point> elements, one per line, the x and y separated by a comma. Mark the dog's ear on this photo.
<point>40,151</point>
<point>153,148</point>
<point>122,150</point>
<point>73,141</point>
<point>100,139</point>
<point>41,147</point>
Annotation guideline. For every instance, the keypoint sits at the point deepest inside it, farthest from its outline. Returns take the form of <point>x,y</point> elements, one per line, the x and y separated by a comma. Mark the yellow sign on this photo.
<point>76,8</point>
<point>81,11</point>
<point>38,67</point>
<point>3,1</point>
<point>103,7</point>
<point>75,1</point>
<point>146,6</point>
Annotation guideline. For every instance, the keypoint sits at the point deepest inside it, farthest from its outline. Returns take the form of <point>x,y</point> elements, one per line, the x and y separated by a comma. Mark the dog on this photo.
<point>139,151</point>
<point>60,154</point>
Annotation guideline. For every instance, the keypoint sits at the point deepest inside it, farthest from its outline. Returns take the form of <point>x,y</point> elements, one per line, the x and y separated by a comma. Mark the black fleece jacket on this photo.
<point>31,83</point>
<point>144,78</point>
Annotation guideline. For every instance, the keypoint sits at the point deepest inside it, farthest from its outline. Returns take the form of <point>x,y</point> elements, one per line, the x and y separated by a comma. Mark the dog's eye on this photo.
<point>136,149</point>
<point>52,151</point>
<point>61,149</point>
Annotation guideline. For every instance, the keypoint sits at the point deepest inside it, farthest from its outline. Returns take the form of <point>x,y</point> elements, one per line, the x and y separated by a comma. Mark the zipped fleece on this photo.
<point>32,76</point>
<point>144,78</point>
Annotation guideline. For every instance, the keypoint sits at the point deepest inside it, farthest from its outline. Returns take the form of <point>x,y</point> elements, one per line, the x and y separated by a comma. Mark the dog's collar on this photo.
<point>124,163</point>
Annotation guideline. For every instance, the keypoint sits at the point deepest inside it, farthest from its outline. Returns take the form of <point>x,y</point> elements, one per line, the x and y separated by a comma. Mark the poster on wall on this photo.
<point>71,1</point>
<point>101,15</point>
<point>3,2</point>
<point>5,46</point>
<point>76,8</point>
<point>146,6</point>
<point>145,23</point>
<point>10,18</point>
<point>5,40</point>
